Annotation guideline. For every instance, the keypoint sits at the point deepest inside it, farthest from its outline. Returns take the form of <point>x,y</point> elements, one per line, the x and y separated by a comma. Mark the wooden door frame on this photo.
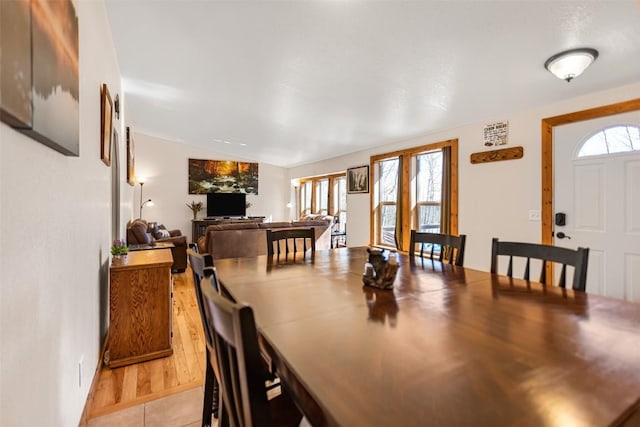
<point>547,153</point>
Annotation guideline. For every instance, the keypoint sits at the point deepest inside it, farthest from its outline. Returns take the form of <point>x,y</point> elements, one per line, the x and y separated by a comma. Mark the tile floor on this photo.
<point>178,410</point>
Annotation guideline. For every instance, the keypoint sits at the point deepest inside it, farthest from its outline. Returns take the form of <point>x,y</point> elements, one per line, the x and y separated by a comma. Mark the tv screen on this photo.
<point>226,204</point>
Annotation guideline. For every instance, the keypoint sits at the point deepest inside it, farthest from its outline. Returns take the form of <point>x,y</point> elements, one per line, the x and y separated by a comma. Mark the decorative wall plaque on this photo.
<point>497,155</point>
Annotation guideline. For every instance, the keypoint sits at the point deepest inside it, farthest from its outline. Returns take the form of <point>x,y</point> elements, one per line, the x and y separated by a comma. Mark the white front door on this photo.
<point>600,196</point>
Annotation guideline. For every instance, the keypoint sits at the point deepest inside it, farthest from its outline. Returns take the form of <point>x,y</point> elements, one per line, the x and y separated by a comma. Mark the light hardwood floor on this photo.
<point>128,386</point>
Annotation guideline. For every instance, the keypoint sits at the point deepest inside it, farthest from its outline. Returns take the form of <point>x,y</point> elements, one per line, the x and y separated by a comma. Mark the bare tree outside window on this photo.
<point>388,198</point>
<point>429,190</point>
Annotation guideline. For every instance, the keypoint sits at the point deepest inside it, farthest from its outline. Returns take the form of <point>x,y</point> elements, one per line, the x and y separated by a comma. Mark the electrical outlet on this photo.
<point>80,371</point>
<point>534,215</point>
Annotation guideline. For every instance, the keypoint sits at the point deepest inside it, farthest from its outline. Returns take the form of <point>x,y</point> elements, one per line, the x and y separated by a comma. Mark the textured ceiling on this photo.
<point>289,83</point>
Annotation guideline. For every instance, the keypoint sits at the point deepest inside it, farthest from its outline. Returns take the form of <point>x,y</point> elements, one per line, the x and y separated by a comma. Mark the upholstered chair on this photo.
<point>139,233</point>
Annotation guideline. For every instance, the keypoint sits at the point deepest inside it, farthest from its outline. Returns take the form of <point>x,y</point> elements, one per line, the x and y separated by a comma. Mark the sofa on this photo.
<point>242,240</point>
<point>140,233</point>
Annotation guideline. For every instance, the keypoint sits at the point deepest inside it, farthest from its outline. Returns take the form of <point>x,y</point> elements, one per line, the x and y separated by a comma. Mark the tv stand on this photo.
<point>199,226</point>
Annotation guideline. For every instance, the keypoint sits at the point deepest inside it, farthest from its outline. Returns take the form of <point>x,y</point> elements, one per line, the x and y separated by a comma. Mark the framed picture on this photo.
<point>358,179</point>
<point>39,78</point>
<point>222,176</point>
<point>131,152</point>
<point>106,125</point>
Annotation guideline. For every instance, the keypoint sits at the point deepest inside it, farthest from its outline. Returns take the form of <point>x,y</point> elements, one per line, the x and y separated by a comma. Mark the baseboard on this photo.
<point>84,418</point>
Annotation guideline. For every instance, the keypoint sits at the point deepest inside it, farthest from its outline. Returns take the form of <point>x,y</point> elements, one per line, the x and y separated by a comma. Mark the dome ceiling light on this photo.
<point>571,63</point>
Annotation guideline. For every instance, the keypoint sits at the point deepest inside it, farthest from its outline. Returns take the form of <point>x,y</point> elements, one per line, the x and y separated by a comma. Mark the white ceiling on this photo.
<point>292,82</point>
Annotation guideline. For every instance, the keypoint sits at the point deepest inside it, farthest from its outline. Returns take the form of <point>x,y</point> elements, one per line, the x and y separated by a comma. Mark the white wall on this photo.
<point>164,165</point>
<point>55,229</point>
<point>494,198</point>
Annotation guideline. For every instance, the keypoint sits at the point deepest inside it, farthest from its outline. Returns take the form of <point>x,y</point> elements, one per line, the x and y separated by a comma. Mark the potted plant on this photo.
<point>119,250</point>
<point>195,208</point>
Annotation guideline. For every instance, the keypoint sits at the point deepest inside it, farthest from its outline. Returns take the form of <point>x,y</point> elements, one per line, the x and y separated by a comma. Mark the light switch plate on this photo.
<point>534,215</point>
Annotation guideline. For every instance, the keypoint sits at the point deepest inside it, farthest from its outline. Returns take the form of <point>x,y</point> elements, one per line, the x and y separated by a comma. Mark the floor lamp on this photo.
<point>146,202</point>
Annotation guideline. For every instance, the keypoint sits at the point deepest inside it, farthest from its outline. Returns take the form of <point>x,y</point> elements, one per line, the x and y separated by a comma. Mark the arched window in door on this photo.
<point>611,140</point>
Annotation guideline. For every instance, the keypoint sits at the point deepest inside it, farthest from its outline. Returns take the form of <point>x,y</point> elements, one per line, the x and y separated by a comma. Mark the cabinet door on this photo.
<point>141,315</point>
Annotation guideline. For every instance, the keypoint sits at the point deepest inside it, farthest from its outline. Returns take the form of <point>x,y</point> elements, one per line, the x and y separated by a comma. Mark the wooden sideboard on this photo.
<point>199,226</point>
<point>140,308</point>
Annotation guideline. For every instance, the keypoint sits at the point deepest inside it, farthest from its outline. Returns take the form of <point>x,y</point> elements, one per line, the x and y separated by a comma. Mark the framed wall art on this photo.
<point>222,176</point>
<point>106,124</point>
<point>358,179</point>
<point>39,72</point>
<point>131,152</point>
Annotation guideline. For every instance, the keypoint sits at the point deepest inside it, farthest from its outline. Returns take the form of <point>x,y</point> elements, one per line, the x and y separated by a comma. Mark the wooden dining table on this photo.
<point>447,346</point>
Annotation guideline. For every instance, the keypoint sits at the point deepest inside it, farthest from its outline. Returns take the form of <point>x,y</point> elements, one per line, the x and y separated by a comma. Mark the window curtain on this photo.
<point>399,206</point>
<point>445,207</point>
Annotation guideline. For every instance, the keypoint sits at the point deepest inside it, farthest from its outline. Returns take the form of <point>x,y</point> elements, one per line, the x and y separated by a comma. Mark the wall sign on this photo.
<point>496,134</point>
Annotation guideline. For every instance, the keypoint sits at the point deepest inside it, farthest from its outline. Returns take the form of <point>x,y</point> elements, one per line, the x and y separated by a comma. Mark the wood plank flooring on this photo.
<point>131,385</point>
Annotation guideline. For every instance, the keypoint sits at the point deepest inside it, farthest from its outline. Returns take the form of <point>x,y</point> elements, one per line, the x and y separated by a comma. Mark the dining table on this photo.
<point>446,346</point>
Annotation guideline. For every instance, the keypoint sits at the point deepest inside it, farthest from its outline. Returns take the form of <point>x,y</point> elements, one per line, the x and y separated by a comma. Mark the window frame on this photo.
<point>303,200</point>
<point>315,182</point>
<point>415,203</point>
<point>409,195</point>
<point>336,206</point>
<point>608,153</point>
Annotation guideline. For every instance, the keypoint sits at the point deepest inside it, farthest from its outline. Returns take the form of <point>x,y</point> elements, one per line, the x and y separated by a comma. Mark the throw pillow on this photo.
<point>162,234</point>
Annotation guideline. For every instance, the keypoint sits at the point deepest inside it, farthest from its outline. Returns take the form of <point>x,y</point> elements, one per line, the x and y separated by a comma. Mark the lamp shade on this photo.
<point>571,63</point>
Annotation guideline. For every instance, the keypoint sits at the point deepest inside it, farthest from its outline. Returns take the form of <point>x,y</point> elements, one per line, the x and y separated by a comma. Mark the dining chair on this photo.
<point>447,242</point>
<point>202,266</point>
<point>578,258</point>
<point>291,238</point>
<point>241,369</point>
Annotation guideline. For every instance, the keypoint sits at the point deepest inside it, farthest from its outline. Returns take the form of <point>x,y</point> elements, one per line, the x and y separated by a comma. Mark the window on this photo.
<point>305,197</point>
<point>428,191</point>
<point>611,140</point>
<point>340,203</point>
<point>414,189</point>
<point>387,194</point>
<point>322,196</point>
<point>316,195</point>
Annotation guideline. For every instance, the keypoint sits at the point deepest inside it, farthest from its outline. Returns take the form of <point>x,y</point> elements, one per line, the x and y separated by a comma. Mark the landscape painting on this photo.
<point>15,64</point>
<point>131,155</point>
<point>222,176</point>
<point>39,71</point>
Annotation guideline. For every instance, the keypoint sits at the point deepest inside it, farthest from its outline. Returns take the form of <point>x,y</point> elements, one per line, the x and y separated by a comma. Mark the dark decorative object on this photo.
<point>106,125</point>
<point>222,176</point>
<point>358,179</point>
<point>116,106</point>
<point>378,271</point>
<point>131,152</point>
<point>39,71</point>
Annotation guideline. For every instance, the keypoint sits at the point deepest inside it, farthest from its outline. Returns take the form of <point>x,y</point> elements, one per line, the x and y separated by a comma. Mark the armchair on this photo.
<point>140,233</point>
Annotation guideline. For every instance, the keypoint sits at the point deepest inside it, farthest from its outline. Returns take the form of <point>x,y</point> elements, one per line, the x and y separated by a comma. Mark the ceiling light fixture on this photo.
<point>224,141</point>
<point>571,63</point>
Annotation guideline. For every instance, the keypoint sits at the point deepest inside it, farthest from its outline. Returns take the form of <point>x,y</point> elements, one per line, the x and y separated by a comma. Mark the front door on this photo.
<point>599,193</point>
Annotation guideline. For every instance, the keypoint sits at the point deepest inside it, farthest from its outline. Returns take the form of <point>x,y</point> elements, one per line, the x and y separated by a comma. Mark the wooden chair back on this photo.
<point>578,259</point>
<point>241,370</point>
<point>202,267</point>
<point>291,240</point>
<point>451,247</point>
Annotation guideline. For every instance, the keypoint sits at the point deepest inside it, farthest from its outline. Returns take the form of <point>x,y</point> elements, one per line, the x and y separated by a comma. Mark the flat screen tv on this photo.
<point>226,204</point>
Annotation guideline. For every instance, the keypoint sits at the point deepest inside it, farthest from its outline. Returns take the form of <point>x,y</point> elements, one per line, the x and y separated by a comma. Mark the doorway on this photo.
<point>597,199</point>
<point>548,177</point>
